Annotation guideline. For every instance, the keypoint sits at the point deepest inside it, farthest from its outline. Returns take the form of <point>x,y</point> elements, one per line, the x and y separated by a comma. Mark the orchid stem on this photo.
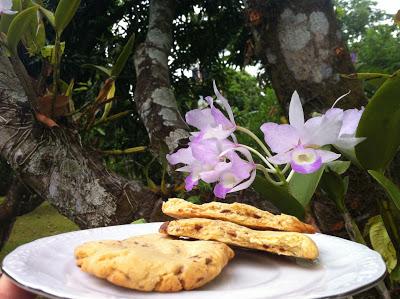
<point>270,166</point>
<point>290,176</point>
<point>286,168</point>
<point>266,174</point>
<point>254,136</point>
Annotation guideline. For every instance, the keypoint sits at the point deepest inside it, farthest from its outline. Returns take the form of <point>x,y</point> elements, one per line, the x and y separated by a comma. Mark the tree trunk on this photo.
<point>301,45</point>
<point>154,97</point>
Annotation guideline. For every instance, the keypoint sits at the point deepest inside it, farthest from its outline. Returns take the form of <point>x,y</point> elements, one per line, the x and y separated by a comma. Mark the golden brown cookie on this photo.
<point>239,213</point>
<point>283,243</point>
<point>154,262</point>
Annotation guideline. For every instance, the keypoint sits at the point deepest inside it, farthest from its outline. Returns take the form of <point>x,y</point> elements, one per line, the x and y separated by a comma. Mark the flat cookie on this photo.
<point>238,213</point>
<point>283,243</point>
<point>154,262</point>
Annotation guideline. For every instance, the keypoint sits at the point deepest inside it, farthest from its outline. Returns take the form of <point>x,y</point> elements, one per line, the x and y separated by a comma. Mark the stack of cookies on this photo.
<point>240,225</point>
<point>164,263</point>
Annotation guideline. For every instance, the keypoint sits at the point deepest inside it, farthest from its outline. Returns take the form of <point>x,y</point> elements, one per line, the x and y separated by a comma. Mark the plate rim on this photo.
<point>38,291</point>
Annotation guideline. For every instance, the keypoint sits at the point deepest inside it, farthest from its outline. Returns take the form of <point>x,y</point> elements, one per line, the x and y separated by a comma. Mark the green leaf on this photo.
<point>194,199</point>
<point>391,189</point>
<point>380,124</point>
<point>395,274</point>
<point>303,186</point>
<point>123,57</point>
<point>381,242</point>
<point>279,196</point>
<point>335,188</point>
<point>103,70</point>
<point>65,11</point>
<point>19,26</point>
<point>49,15</point>
<point>5,20</point>
<point>139,221</point>
<point>339,167</point>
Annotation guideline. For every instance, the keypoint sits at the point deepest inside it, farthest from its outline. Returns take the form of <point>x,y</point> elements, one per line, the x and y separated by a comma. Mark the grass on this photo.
<point>42,222</point>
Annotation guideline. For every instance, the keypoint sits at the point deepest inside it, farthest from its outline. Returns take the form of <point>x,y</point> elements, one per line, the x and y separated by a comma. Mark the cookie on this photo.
<point>283,243</point>
<point>154,262</point>
<point>239,213</point>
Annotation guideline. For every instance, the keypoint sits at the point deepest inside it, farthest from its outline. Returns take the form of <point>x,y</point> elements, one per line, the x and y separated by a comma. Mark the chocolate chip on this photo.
<point>265,246</point>
<point>164,227</point>
<point>232,233</point>
<point>208,260</point>
<point>199,279</point>
<point>198,227</point>
<point>178,270</point>
<point>226,211</point>
<point>256,216</point>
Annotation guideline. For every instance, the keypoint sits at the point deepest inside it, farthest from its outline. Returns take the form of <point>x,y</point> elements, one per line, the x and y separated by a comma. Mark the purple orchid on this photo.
<point>211,122</point>
<point>300,143</point>
<point>215,161</point>
<point>211,156</point>
<point>6,7</point>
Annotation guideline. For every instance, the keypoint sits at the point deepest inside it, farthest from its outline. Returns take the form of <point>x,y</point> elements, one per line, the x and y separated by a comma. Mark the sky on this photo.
<point>390,6</point>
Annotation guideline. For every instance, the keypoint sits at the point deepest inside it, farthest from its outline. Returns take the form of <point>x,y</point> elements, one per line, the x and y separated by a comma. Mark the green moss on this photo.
<point>42,222</point>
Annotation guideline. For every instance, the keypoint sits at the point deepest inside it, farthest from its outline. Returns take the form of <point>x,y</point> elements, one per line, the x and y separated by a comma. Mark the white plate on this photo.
<point>46,266</point>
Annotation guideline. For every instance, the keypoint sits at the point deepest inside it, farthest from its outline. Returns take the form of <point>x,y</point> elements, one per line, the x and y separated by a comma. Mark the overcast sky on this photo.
<point>390,6</point>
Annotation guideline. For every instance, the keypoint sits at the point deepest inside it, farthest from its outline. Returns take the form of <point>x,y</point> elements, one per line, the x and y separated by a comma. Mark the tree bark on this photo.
<point>154,97</point>
<point>301,45</point>
<point>54,164</point>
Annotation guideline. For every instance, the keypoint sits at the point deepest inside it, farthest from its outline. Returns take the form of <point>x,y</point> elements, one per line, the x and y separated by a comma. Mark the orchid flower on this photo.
<point>211,121</point>
<point>213,160</point>
<point>300,143</point>
<point>6,7</point>
<point>347,139</point>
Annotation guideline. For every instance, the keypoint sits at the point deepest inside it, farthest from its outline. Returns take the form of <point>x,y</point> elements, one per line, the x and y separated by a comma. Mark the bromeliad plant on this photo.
<point>303,147</point>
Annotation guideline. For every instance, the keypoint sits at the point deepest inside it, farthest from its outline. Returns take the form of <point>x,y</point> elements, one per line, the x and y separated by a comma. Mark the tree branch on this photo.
<point>53,163</point>
<point>154,97</point>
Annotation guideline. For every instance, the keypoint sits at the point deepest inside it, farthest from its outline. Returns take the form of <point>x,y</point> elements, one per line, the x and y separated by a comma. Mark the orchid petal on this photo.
<point>280,138</point>
<point>245,184</point>
<point>348,142</point>
<point>281,158</point>
<point>206,150</point>
<point>213,175</point>
<point>190,183</point>
<point>218,132</point>
<point>322,130</point>
<point>220,191</point>
<point>296,114</point>
<point>224,103</point>
<point>183,155</point>
<point>218,116</point>
<point>200,118</point>
<point>240,168</point>
<point>305,160</point>
<point>351,118</point>
<point>327,156</point>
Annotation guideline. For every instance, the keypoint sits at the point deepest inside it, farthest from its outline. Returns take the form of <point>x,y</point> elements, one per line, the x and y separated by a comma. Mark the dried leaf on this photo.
<point>61,106</point>
<point>48,122</point>
<point>397,18</point>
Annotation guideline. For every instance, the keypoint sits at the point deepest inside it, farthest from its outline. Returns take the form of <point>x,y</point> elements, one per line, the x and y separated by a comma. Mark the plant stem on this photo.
<point>127,151</point>
<point>266,174</point>
<point>290,176</point>
<point>271,167</point>
<point>254,136</point>
<point>56,72</point>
